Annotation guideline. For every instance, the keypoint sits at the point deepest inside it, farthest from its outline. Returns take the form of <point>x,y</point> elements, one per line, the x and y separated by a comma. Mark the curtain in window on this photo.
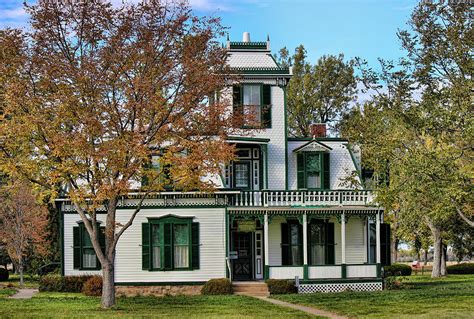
<point>251,94</point>
<point>317,245</point>
<point>295,245</point>
<point>156,247</point>
<point>181,246</point>
<point>89,259</point>
<point>241,175</point>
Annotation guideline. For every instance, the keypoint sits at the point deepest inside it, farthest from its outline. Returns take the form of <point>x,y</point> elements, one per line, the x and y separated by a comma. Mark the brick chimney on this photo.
<point>318,129</point>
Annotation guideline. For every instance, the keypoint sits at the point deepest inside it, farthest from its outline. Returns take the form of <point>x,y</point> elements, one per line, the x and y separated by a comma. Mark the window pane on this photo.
<point>251,94</point>
<point>241,175</point>
<point>181,246</point>
<point>294,234</point>
<point>296,255</point>
<point>312,162</point>
<point>252,115</point>
<point>313,180</point>
<point>156,248</point>
<point>318,254</point>
<point>86,240</point>
<point>89,259</point>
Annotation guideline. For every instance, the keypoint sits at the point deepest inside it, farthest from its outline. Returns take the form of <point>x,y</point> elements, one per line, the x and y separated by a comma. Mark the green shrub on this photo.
<point>461,269</point>
<point>4,274</point>
<point>281,286</point>
<point>62,283</point>
<point>221,286</point>
<point>93,286</point>
<point>397,270</point>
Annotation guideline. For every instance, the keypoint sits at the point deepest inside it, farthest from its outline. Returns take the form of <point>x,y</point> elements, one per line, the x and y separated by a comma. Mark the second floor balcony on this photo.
<point>302,198</point>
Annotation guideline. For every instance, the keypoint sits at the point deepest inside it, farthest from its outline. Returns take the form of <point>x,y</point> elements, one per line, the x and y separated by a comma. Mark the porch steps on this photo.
<point>250,288</point>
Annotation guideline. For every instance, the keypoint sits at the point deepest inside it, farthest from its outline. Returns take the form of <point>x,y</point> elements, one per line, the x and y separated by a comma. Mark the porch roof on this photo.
<point>334,210</point>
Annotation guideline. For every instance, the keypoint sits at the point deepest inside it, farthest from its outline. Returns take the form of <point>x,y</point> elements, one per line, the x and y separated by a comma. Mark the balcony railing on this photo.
<point>267,198</point>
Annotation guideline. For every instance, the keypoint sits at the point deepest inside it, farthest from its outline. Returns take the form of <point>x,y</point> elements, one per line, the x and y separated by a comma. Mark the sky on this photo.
<point>362,28</point>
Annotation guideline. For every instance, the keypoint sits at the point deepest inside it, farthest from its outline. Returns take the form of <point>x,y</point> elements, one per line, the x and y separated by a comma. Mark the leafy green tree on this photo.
<point>318,93</point>
<point>417,132</point>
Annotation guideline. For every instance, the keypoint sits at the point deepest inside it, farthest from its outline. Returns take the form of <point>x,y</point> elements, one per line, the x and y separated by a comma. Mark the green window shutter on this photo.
<point>300,170</point>
<point>300,241</point>
<point>101,243</point>
<point>285,247</point>
<point>267,106</point>
<point>326,172</point>
<point>385,244</point>
<point>266,116</point>
<point>168,246</point>
<point>195,245</point>
<point>76,232</point>
<point>330,246</point>
<point>146,246</point>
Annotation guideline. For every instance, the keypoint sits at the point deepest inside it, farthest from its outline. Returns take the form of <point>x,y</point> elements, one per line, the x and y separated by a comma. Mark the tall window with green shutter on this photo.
<point>170,243</point>
<point>321,243</point>
<point>252,102</point>
<point>84,256</point>
<point>313,170</point>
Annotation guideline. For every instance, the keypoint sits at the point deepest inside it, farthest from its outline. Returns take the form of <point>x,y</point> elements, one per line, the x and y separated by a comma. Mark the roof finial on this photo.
<point>268,37</point>
<point>268,41</point>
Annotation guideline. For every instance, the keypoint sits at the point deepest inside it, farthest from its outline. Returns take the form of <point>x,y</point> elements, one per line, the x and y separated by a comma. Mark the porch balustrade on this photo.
<point>324,272</point>
<point>267,198</point>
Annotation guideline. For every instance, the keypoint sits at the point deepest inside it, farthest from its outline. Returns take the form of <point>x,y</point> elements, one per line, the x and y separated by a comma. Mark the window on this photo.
<point>242,176</point>
<point>253,103</point>
<point>292,243</point>
<point>170,243</point>
<point>84,254</point>
<point>313,170</point>
<point>321,243</point>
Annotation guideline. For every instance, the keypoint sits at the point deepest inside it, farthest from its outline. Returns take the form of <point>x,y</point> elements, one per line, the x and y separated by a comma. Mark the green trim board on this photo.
<point>341,281</point>
<point>61,235</point>
<point>248,139</point>
<point>318,143</point>
<point>262,71</point>
<point>286,137</point>
<point>329,139</point>
<point>171,283</point>
<point>261,45</point>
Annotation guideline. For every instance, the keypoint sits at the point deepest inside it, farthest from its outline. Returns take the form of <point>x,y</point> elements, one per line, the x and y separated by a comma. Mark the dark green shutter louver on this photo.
<point>237,104</point>
<point>76,232</point>
<point>326,171</point>
<point>300,170</point>
<point>300,242</point>
<point>167,246</point>
<point>101,243</point>
<point>195,245</point>
<point>330,247</point>
<point>267,106</point>
<point>385,244</point>
<point>285,256</point>
<point>146,246</point>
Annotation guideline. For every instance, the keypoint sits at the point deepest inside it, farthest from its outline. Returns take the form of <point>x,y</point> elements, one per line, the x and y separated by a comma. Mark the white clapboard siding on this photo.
<point>286,272</point>
<point>324,272</point>
<point>274,238</point>
<point>355,244</point>
<point>361,271</point>
<point>129,251</point>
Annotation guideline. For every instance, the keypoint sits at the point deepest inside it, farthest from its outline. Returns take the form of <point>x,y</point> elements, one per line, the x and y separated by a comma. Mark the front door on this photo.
<point>242,266</point>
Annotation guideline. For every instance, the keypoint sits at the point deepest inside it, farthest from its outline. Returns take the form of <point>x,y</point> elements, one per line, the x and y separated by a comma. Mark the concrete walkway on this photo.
<point>310,310</point>
<point>24,294</point>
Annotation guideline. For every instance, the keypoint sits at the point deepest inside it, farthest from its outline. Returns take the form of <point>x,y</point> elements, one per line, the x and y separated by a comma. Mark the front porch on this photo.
<point>323,245</point>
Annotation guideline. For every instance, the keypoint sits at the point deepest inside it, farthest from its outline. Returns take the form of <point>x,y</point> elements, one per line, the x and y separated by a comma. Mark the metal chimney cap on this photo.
<point>246,37</point>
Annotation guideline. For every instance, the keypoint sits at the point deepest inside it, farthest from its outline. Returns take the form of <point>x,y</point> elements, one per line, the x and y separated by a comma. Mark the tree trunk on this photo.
<point>437,243</point>
<point>426,256</point>
<point>20,270</point>
<point>443,260</point>
<point>394,242</point>
<point>108,288</point>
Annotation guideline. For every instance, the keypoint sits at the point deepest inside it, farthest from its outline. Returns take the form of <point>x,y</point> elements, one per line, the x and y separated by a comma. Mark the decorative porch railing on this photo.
<point>267,198</point>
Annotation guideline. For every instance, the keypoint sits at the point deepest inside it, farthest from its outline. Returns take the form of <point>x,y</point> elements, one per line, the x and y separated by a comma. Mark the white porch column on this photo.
<point>265,246</point>
<point>305,239</point>
<point>377,238</point>
<point>343,238</point>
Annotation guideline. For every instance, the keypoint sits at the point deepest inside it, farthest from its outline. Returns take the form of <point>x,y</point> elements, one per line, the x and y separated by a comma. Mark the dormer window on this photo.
<point>312,161</point>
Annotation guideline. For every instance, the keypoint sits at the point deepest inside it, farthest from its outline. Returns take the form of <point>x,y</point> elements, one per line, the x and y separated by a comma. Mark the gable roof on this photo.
<point>312,146</point>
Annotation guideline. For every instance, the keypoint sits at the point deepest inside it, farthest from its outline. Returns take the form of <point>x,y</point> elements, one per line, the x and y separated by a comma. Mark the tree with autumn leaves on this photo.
<point>92,90</point>
<point>23,224</point>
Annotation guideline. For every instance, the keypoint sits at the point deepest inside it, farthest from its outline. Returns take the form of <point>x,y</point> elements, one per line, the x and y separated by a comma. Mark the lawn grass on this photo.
<point>70,305</point>
<point>14,281</point>
<point>420,297</point>
<point>5,292</point>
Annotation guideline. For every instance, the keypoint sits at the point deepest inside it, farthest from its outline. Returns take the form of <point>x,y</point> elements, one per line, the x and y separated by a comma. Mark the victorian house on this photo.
<point>283,209</point>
